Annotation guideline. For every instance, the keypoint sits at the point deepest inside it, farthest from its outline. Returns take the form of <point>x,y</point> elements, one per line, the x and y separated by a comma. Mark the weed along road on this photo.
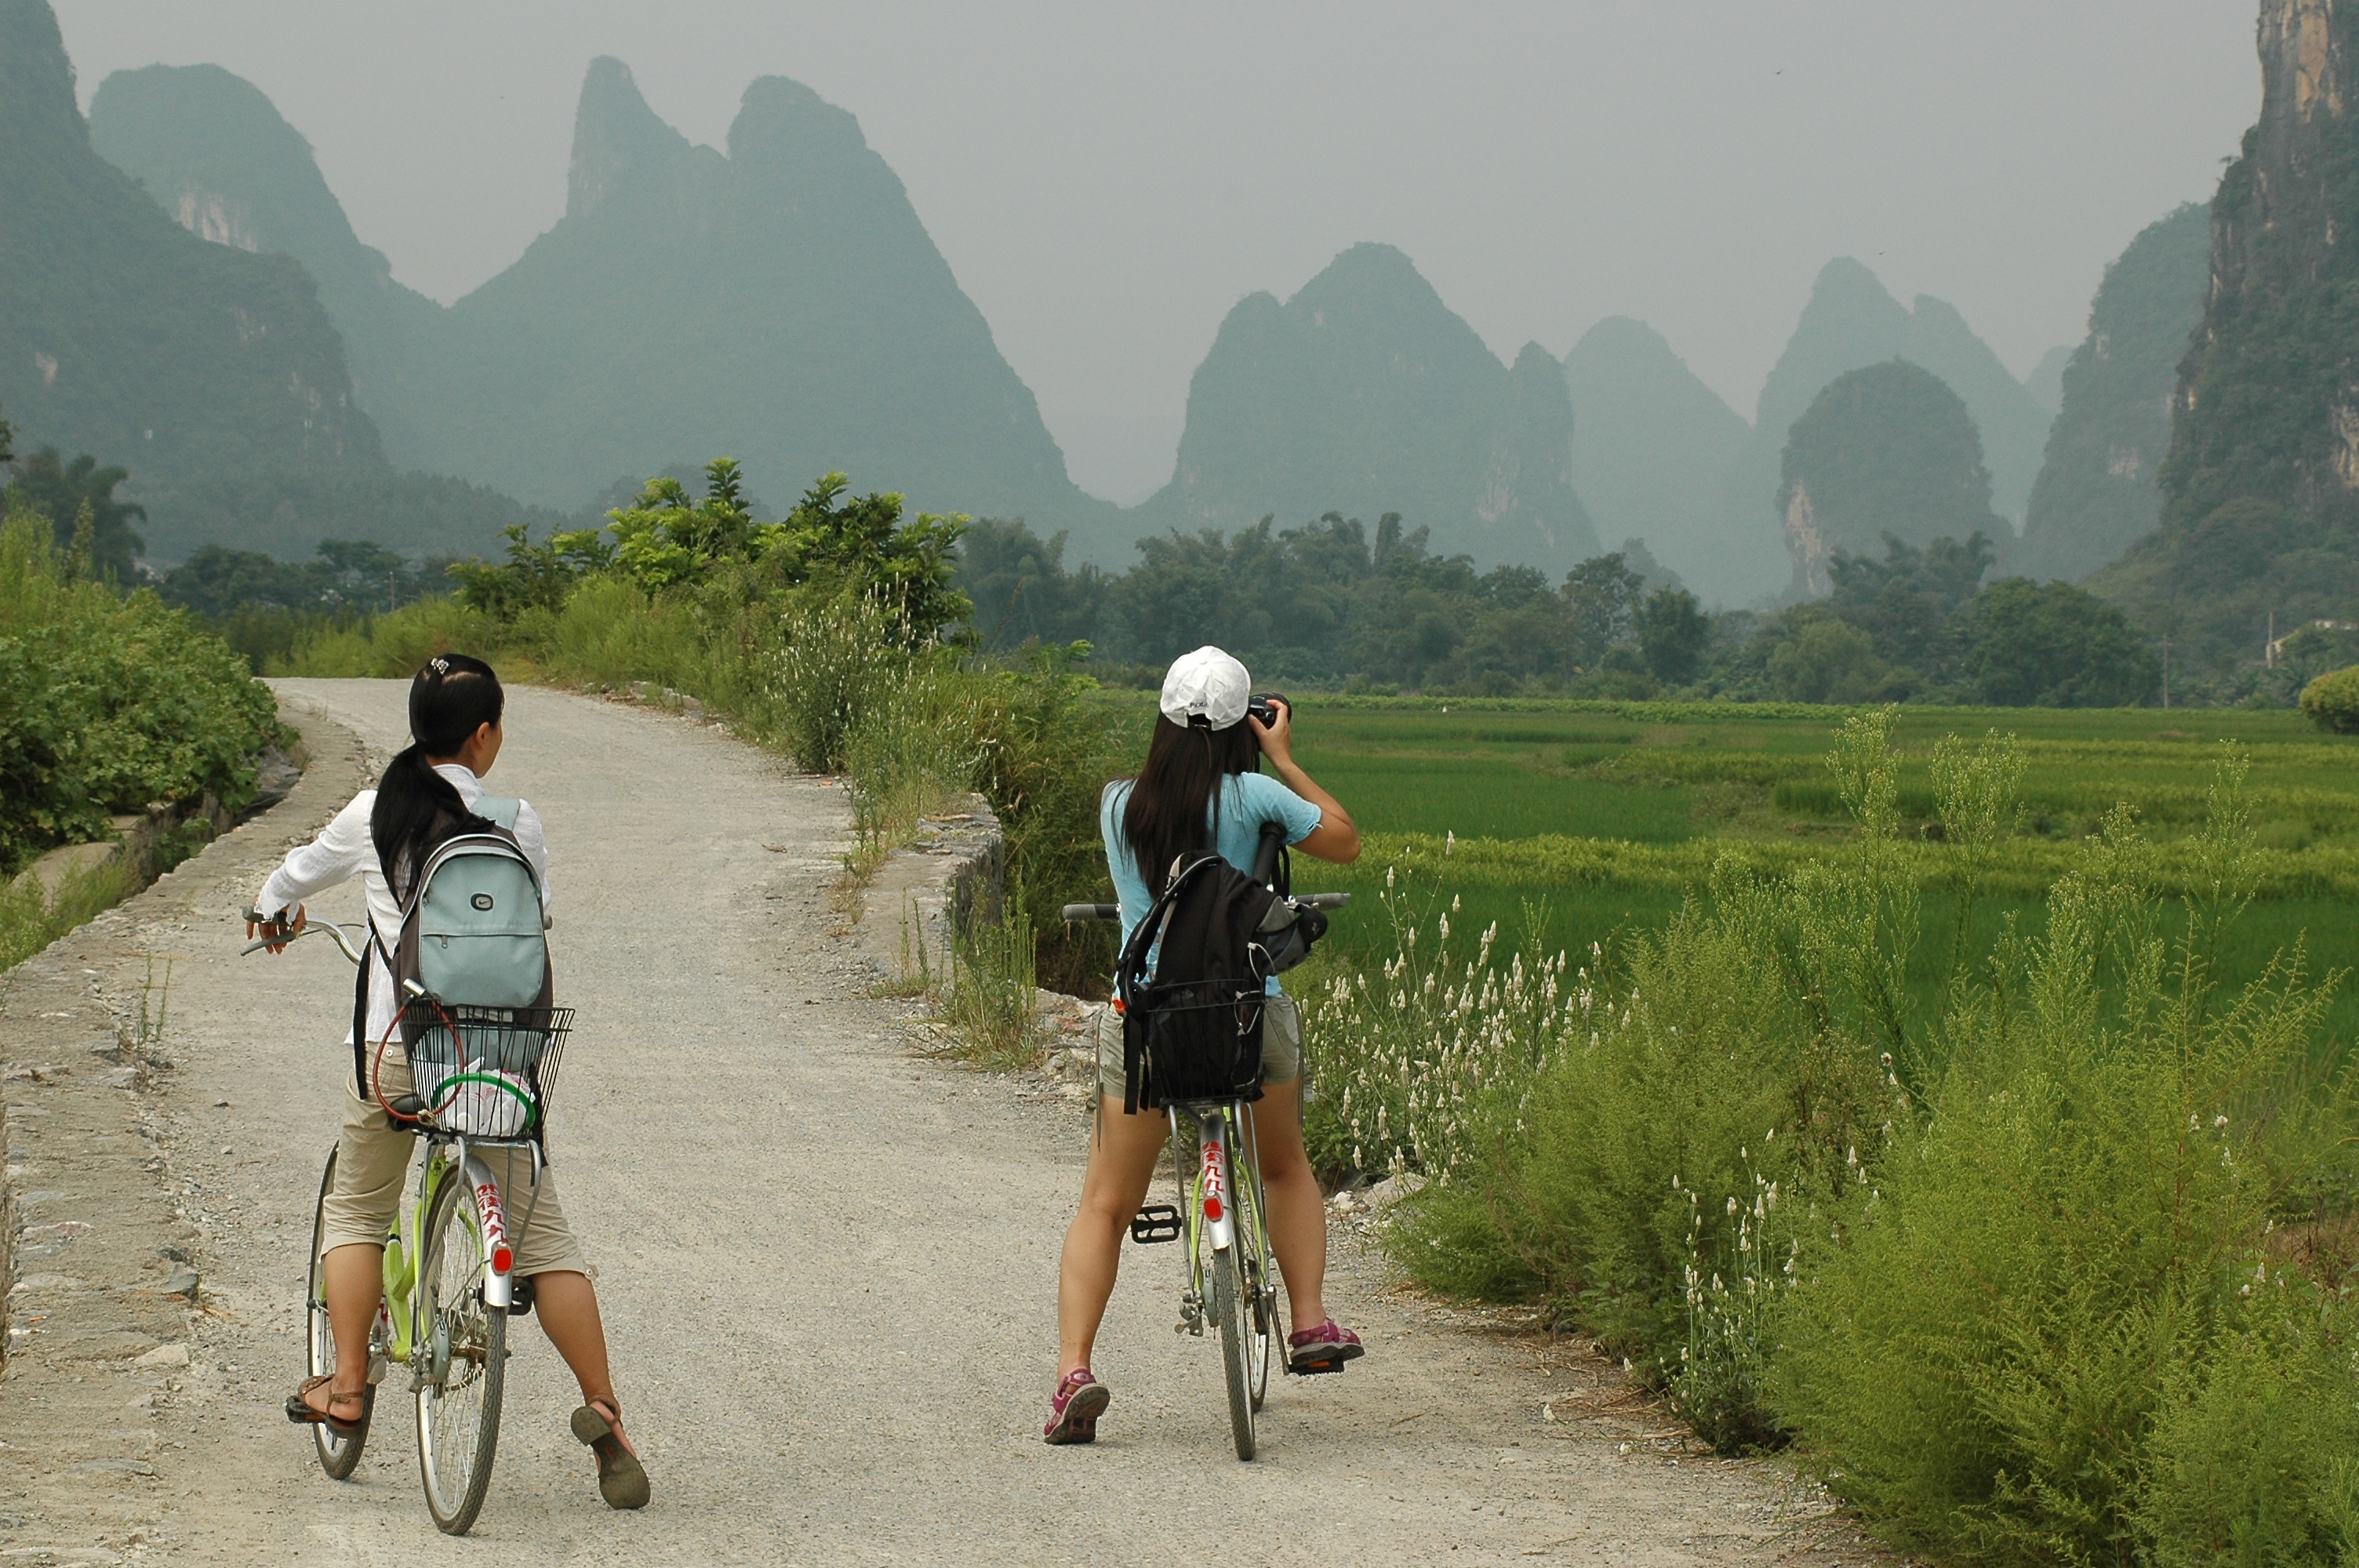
<point>827,1263</point>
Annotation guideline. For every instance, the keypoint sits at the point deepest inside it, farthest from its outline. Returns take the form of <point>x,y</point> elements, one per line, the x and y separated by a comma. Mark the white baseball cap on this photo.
<point>1208,683</point>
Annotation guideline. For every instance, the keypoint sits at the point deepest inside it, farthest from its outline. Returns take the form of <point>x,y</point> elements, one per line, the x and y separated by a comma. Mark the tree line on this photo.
<point>1335,603</point>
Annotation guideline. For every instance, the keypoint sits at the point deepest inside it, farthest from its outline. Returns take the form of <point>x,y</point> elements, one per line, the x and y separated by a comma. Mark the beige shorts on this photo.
<point>373,1165</point>
<point>1281,1045</point>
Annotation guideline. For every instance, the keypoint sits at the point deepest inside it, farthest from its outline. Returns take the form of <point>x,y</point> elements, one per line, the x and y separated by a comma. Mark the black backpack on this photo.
<point>1192,981</point>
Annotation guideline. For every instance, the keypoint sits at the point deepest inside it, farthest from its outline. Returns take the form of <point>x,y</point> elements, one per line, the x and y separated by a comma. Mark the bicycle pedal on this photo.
<point>1313,1368</point>
<point>1156,1222</point>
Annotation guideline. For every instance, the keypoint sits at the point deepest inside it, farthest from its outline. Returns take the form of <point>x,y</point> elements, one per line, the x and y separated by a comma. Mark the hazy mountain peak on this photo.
<point>618,142</point>
<point>128,339</point>
<point>1649,444</point>
<point>778,111</point>
<point>1366,394</point>
<point>36,83</point>
<point>216,154</point>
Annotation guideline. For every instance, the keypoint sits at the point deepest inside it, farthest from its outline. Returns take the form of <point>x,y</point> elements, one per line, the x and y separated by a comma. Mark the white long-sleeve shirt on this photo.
<point>344,849</point>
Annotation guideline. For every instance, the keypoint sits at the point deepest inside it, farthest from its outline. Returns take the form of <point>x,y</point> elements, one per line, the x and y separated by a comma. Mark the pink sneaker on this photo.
<point>1074,1409</point>
<point>1322,1349</point>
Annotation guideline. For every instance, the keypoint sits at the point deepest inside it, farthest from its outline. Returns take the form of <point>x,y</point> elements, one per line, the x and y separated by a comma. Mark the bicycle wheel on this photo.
<point>338,1455</point>
<point>1259,1284</point>
<point>1235,1318</point>
<point>461,1359</point>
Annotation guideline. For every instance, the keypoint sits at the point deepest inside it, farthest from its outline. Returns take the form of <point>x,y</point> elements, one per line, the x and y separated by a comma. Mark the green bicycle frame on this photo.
<point>401,1244</point>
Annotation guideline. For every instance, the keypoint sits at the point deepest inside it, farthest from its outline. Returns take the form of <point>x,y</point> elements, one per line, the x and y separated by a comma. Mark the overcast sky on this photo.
<point>1108,176</point>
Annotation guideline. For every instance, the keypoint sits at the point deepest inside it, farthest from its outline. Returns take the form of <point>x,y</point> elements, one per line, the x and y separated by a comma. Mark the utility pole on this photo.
<point>2269,649</point>
<point>2166,671</point>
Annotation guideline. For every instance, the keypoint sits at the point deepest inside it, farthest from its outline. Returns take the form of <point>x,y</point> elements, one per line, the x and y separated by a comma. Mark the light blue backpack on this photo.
<point>472,969</point>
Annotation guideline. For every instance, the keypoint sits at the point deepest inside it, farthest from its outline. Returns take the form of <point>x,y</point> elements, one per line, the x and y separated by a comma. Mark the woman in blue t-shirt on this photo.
<point>1201,779</point>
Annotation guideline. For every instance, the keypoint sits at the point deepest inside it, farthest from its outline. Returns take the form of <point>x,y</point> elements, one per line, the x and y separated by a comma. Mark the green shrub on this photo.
<point>2332,701</point>
<point>2018,1330</point>
<point>392,646</point>
<point>108,704</point>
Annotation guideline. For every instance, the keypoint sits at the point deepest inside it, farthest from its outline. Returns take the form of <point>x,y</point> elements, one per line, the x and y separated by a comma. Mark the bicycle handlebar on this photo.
<point>1083,912</point>
<point>331,927</point>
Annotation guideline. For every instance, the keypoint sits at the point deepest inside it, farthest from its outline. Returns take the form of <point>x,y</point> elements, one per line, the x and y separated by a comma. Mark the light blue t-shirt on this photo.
<point>1246,802</point>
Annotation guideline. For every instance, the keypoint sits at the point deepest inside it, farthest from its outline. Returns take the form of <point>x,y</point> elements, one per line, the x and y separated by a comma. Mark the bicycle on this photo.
<point>448,1294</point>
<point>1224,1224</point>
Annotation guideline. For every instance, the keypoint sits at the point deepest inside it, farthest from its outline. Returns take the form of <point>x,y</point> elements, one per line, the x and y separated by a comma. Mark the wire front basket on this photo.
<point>485,1072</point>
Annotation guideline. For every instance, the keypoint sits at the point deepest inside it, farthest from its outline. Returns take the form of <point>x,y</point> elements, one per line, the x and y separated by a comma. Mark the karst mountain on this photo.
<point>126,336</point>
<point>2099,490</point>
<point>1366,394</point>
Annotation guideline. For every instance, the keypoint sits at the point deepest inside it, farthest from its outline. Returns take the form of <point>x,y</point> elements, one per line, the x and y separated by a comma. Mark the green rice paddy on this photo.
<point>1584,818</point>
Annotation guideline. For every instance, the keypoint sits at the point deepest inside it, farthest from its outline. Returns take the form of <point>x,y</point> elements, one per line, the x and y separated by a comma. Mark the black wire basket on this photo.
<point>1198,1041</point>
<point>485,1072</point>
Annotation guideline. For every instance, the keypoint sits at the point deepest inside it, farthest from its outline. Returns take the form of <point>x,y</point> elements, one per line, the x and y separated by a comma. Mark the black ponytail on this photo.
<point>1174,796</point>
<point>450,699</point>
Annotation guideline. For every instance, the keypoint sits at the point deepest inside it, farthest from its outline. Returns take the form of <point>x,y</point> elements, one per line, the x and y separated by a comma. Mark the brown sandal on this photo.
<point>622,1480</point>
<point>304,1413</point>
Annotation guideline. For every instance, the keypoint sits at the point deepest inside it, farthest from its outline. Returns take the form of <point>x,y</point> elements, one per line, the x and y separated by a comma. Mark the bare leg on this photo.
<point>1122,1163</point>
<point>567,1308</point>
<point>1298,1210</point>
<point>354,1276</point>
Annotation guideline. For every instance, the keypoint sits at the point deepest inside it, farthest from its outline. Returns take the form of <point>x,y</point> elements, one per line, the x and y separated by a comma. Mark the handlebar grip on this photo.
<point>1073,912</point>
<point>1322,900</point>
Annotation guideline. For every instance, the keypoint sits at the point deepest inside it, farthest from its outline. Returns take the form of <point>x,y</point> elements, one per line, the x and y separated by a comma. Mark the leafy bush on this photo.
<point>2332,701</point>
<point>107,704</point>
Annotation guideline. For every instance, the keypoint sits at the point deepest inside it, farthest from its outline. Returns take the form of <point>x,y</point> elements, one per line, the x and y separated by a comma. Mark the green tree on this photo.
<point>1671,633</point>
<point>1904,601</point>
<point>1599,593</point>
<point>2053,645</point>
<point>1826,660</point>
<point>58,490</point>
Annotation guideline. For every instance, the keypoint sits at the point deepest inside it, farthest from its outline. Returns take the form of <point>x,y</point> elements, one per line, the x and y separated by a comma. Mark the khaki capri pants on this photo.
<point>373,1163</point>
<point>1281,1045</point>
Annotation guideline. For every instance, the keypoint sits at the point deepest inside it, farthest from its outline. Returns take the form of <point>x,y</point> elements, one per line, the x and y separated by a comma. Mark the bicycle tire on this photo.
<point>1261,1295</point>
<point>458,1410</point>
<point>339,1456</point>
<point>1229,1309</point>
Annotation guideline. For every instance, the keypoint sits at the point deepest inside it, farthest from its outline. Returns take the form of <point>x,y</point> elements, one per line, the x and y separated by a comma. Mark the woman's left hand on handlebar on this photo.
<point>280,924</point>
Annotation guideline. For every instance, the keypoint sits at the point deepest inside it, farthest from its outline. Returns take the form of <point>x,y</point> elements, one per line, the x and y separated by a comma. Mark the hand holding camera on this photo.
<point>1271,714</point>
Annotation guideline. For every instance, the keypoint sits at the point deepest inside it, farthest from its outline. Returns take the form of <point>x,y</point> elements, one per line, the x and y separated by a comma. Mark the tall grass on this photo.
<point>31,918</point>
<point>108,701</point>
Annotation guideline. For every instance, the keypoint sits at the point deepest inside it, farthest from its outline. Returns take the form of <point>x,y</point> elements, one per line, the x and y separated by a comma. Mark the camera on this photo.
<point>1265,706</point>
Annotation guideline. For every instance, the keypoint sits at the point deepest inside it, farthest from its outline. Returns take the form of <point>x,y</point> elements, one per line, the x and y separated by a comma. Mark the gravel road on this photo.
<point>827,1263</point>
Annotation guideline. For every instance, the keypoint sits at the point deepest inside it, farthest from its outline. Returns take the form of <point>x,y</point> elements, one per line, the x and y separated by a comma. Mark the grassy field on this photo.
<point>1585,819</point>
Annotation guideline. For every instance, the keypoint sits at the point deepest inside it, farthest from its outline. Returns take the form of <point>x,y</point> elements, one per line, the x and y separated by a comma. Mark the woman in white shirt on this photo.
<point>428,793</point>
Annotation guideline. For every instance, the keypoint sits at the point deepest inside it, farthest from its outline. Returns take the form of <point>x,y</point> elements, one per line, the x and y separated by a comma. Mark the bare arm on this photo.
<point>1336,837</point>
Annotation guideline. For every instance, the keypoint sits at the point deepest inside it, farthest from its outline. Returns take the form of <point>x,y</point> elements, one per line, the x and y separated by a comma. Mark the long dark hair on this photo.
<point>1174,795</point>
<point>451,697</point>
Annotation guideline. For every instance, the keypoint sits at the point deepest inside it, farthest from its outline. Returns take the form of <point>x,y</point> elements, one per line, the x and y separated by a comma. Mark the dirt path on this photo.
<point>827,1265</point>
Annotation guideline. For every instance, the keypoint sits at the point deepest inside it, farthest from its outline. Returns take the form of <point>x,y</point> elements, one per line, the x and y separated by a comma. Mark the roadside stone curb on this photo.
<point>954,874</point>
<point>108,1309</point>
